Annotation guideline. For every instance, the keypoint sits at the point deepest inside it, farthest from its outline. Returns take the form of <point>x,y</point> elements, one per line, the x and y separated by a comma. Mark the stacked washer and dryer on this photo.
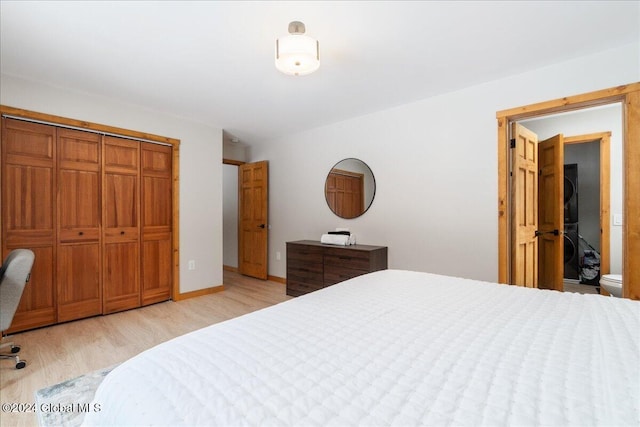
<point>571,237</point>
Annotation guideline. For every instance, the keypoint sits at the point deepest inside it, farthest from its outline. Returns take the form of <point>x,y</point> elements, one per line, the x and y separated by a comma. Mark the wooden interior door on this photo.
<point>29,215</point>
<point>79,255</point>
<point>156,216</point>
<point>550,213</point>
<point>253,186</point>
<point>344,191</point>
<point>120,224</point>
<point>524,196</point>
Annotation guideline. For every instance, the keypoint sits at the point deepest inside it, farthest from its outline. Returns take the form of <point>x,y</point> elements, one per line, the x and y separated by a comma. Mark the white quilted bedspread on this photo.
<point>394,348</point>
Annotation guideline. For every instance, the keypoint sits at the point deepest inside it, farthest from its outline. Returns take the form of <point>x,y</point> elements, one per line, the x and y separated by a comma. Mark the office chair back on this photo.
<point>14,276</point>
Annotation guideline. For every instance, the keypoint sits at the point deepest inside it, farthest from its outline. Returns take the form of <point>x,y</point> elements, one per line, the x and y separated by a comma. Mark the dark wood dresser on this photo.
<point>312,265</point>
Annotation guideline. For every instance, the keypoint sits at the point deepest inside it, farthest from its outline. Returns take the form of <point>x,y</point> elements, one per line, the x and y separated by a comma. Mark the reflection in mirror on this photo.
<point>350,188</point>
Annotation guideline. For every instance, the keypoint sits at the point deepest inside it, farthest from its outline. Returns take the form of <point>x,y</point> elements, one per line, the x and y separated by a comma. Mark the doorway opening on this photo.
<point>629,97</point>
<point>588,206</point>
<point>245,211</point>
<point>561,204</point>
<point>230,214</point>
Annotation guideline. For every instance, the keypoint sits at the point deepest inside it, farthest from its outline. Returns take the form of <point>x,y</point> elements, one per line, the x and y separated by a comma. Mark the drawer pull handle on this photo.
<point>80,233</point>
<point>122,233</point>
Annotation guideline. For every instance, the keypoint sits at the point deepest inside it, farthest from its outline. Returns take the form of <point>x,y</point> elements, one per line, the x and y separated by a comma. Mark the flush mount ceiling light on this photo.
<point>297,54</point>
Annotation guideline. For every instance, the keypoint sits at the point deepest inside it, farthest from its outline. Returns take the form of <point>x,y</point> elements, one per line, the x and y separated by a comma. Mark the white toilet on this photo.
<point>612,283</point>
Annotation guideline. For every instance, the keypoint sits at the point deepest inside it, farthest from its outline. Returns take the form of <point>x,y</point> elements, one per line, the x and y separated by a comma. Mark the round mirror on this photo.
<point>350,188</point>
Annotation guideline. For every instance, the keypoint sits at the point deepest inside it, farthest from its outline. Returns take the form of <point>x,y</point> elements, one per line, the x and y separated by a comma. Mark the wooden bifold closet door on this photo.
<point>78,272</point>
<point>96,210</point>
<point>29,213</point>
<point>157,212</point>
<point>121,224</point>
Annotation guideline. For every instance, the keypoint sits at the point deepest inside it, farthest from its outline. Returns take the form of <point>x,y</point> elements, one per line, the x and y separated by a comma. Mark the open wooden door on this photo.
<point>253,198</point>
<point>550,213</point>
<point>524,196</point>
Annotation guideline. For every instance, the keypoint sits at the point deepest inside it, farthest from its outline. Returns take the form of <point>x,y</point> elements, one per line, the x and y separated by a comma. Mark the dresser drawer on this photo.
<point>304,253</point>
<point>351,259</point>
<point>305,271</point>
<point>336,274</point>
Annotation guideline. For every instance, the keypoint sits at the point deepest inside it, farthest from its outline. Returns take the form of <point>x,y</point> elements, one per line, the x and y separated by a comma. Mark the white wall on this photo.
<point>200,165</point>
<point>435,163</point>
<point>233,151</point>
<point>593,121</point>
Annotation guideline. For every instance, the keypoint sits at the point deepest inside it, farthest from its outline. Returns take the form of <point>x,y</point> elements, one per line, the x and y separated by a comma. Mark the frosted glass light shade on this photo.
<point>297,54</point>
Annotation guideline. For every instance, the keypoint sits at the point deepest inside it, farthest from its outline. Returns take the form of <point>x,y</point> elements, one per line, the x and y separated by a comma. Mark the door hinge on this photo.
<point>512,143</point>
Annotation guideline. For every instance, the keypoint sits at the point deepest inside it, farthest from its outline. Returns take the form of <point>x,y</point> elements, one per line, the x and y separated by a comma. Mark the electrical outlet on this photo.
<point>192,264</point>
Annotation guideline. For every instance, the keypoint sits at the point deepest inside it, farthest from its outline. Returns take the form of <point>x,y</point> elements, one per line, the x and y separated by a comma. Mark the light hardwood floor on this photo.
<point>581,289</point>
<point>65,351</point>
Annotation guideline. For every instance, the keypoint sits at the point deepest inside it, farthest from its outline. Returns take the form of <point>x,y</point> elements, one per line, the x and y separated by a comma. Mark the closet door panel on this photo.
<point>78,150</point>
<point>121,201</point>
<point>156,204</point>
<point>121,155</point>
<point>29,214</point>
<point>79,293</point>
<point>121,224</point>
<point>79,201</point>
<point>28,143</point>
<point>156,160</point>
<point>156,268</point>
<point>28,197</point>
<point>38,304</point>
<point>157,209</point>
<point>121,234</point>
<point>121,276</point>
<point>79,234</point>
<point>78,272</point>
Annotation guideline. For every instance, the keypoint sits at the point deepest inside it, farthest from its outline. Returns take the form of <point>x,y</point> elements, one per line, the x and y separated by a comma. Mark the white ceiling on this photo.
<point>213,61</point>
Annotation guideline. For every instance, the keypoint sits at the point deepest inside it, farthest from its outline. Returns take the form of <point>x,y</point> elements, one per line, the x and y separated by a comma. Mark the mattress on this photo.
<point>394,348</point>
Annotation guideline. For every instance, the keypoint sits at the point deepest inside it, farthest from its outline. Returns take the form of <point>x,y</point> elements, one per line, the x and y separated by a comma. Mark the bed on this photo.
<point>394,348</point>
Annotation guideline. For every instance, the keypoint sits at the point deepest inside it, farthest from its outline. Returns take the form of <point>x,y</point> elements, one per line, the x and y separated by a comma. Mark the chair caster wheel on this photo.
<point>21,364</point>
<point>15,349</point>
